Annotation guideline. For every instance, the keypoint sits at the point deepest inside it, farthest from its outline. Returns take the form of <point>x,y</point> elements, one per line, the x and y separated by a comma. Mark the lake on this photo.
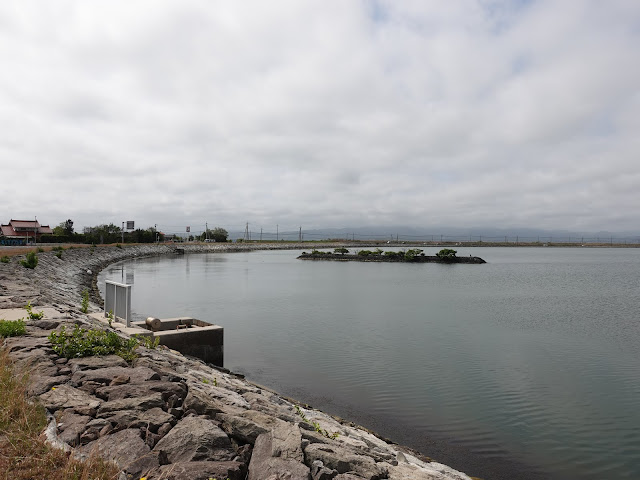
<point>527,367</point>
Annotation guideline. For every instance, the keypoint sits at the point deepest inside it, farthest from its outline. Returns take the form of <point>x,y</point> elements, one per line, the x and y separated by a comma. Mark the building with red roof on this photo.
<point>18,232</point>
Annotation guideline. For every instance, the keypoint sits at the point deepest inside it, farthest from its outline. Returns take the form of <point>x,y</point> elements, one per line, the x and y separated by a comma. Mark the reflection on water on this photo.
<point>526,367</point>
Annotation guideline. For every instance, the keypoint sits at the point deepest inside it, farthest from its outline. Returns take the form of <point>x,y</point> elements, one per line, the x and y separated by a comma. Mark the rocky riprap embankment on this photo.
<point>168,416</point>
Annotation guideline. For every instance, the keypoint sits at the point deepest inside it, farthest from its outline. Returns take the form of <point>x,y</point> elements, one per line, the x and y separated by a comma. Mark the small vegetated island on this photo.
<point>413,255</point>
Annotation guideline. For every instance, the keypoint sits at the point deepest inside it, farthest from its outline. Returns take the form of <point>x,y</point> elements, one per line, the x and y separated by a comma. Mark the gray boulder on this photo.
<point>66,396</point>
<point>344,460</point>
<point>126,448</point>
<point>196,439</point>
<point>265,466</point>
<point>199,471</point>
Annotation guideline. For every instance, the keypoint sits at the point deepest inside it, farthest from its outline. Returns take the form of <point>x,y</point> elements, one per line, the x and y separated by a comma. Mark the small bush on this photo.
<point>31,261</point>
<point>12,328</point>
<point>446,254</point>
<point>33,315</point>
<point>85,301</point>
<point>40,249</point>
<point>58,254</point>
<point>81,342</point>
<point>118,246</point>
<point>341,250</point>
<point>4,259</point>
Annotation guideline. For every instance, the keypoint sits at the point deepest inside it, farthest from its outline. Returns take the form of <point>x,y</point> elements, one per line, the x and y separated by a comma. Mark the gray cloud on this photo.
<point>464,113</point>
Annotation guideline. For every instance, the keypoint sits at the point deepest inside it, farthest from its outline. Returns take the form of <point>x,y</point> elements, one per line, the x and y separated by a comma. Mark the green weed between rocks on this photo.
<point>12,328</point>
<point>31,261</point>
<point>33,315</point>
<point>81,342</point>
<point>4,259</point>
<point>85,301</point>
<point>316,426</point>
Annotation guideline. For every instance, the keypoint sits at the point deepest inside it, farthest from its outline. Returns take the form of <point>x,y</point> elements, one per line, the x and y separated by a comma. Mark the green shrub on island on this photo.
<point>31,261</point>
<point>81,342</point>
<point>412,253</point>
<point>341,250</point>
<point>446,254</point>
<point>12,328</point>
<point>365,253</point>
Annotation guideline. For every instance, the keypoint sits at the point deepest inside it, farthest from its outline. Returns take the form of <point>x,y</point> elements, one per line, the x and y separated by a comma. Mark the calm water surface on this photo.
<point>526,367</point>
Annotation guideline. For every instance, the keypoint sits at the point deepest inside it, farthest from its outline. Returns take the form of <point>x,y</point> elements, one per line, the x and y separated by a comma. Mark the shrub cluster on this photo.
<point>81,342</point>
<point>31,261</point>
<point>12,328</point>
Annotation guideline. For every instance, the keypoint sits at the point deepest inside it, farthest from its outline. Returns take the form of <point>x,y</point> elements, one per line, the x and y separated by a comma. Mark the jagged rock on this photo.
<point>120,380</point>
<point>126,448</point>
<point>286,442</point>
<point>93,363</point>
<point>199,471</point>
<point>71,426</point>
<point>115,392</point>
<point>265,466</point>
<point>164,429</point>
<point>343,460</point>
<point>19,346</point>
<point>66,396</point>
<point>40,384</point>
<point>320,472</point>
<point>106,375</point>
<point>151,419</point>
<point>271,404</point>
<point>45,324</point>
<point>246,429</point>
<point>212,401</point>
<point>196,439</point>
<point>154,400</point>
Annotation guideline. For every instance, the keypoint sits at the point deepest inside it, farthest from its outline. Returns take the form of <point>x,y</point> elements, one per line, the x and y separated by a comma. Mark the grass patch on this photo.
<point>81,342</point>
<point>4,259</point>
<point>31,261</point>
<point>85,301</point>
<point>12,328</point>
<point>23,454</point>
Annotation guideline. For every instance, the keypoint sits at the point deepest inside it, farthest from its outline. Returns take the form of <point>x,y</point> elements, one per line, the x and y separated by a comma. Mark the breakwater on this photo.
<point>170,416</point>
<point>339,257</point>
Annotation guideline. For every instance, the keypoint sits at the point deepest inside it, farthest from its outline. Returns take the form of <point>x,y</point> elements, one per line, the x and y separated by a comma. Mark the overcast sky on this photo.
<point>321,113</point>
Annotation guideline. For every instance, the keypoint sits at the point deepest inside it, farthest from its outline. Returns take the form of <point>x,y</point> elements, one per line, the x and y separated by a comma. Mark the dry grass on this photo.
<point>13,251</point>
<point>24,454</point>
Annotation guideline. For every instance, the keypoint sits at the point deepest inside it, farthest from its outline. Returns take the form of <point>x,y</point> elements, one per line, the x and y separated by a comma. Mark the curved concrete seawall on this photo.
<point>174,417</point>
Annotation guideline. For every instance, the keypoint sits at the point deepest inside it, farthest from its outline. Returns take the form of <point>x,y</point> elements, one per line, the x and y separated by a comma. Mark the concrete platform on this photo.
<point>190,336</point>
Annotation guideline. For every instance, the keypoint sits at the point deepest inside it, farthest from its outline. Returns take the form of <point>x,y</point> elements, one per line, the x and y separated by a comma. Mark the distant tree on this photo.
<point>219,234</point>
<point>341,250</point>
<point>103,234</point>
<point>65,228</point>
<point>446,253</point>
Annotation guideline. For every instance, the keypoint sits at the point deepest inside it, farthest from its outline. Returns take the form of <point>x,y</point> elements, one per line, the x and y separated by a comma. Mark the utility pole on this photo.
<point>206,231</point>
<point>246,232</point>
<point>122,232</point>
<point>300,235</point>
<point>260,234</point>
<point>276,232</point>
